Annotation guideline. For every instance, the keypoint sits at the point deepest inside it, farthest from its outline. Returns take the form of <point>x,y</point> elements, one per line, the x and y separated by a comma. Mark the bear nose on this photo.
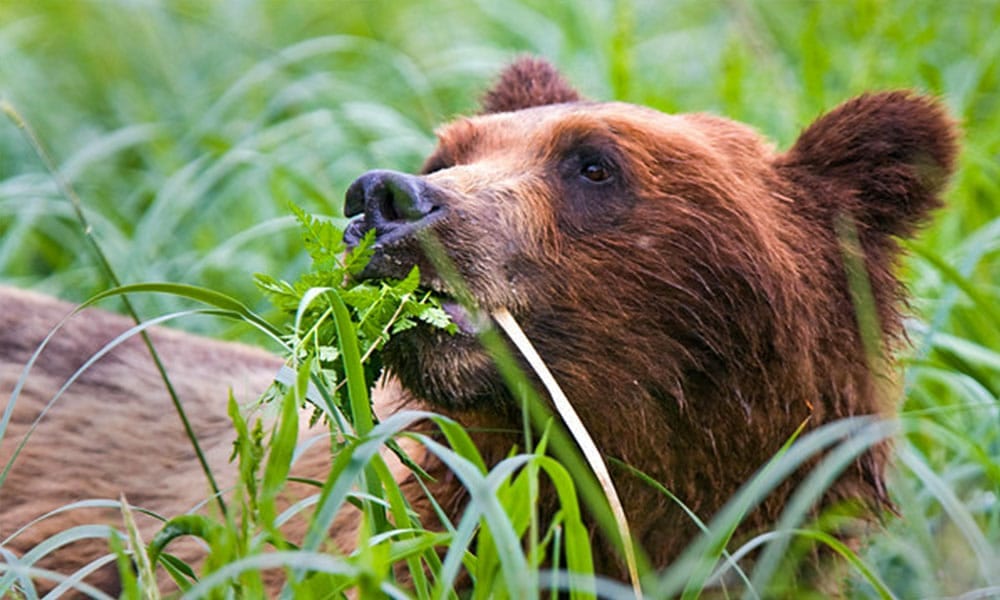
<point>387,196</point>
<point>393,204</point>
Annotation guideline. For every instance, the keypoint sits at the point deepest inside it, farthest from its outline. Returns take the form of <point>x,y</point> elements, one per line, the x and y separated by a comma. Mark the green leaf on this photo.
<point>358,258</point>
<point>435,315</point>
<point>321,238</point>
<point>196,525</point>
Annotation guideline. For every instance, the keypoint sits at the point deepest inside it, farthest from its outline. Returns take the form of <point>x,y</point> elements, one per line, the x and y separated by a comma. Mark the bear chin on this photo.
<point>449,371</point>
<point>446,371</point>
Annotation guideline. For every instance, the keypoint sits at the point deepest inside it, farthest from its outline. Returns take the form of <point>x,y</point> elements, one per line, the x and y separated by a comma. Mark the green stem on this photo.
<point>105,265</point>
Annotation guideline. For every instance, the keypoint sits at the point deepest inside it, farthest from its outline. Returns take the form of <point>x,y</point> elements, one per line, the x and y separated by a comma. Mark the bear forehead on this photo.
<point>636,132</point>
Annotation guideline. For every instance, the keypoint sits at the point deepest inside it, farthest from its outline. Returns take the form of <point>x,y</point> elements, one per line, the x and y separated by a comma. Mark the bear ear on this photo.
<point>891,152</point>
<point>525,83</point>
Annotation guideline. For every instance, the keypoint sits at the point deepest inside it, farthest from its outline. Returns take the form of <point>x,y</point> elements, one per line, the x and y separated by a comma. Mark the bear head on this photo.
<point>688,285</point>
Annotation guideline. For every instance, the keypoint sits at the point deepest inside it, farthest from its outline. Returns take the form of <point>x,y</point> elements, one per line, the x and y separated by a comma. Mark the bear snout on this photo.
<point>394,204</point>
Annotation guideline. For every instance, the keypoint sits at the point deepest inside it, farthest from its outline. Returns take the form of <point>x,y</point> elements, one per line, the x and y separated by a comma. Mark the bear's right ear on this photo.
<point>525,83</point>
<point>882,158</point>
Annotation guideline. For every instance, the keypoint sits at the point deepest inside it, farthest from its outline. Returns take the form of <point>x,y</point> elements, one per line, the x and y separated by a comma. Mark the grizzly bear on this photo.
<point>698,295</point>
<point>689,287</point>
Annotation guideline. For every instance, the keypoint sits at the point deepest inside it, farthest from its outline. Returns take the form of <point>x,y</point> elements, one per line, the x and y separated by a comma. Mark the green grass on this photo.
<point>186,127</point>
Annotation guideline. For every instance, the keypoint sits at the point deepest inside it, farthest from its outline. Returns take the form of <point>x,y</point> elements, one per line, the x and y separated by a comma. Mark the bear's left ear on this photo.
<point>882,158</point>
<point>525,83</point>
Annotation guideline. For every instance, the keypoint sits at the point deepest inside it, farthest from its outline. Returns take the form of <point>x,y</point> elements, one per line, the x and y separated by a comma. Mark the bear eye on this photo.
<point>595,172</point>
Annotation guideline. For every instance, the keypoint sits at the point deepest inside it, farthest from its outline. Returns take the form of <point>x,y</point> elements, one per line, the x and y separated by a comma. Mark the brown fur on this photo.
<point>114,431</point>
<point>528,82</point>
<point>694,306</point>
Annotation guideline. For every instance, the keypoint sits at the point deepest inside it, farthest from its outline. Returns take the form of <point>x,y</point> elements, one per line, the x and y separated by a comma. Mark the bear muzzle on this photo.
<point>396,205</point>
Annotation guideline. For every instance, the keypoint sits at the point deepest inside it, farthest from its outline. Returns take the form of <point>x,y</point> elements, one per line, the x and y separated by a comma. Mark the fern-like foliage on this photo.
<point>379,309</point>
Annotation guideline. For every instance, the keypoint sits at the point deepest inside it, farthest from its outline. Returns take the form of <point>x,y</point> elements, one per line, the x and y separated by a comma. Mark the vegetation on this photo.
<point>187,129</point>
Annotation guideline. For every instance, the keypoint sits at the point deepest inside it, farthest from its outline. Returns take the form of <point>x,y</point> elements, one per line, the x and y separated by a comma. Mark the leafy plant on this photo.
<point>377,310</point>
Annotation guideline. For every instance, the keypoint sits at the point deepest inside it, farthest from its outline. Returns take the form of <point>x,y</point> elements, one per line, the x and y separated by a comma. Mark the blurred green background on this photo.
<point>186,127</point>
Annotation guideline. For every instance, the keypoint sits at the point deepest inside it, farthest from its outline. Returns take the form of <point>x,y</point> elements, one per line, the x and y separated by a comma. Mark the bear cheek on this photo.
<point>448,371</point>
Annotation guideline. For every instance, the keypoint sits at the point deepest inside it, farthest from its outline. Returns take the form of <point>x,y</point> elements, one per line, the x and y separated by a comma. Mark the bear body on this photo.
<point>114,432</point>
<point>685,282</point>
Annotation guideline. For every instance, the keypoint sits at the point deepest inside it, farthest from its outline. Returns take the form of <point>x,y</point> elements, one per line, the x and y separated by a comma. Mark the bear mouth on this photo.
<point>396,250</point>
<point>469,322</point>
<point>403,212</point>
<point>409,219</point>
<point>390,228</point>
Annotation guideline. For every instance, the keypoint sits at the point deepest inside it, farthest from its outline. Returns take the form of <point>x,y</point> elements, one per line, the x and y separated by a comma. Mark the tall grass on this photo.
<point>186,127</point>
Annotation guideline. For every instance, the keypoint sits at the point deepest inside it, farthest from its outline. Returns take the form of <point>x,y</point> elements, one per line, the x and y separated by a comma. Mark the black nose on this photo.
<point>389,201</point>
<point>388,196</point>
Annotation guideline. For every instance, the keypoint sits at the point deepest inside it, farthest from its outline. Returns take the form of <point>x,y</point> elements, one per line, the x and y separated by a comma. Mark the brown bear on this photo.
<point>686,284</point>
<point>689,287</point>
